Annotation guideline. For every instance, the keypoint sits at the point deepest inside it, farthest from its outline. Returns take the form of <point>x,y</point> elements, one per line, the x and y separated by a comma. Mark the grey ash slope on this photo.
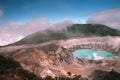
<point>72,31</point>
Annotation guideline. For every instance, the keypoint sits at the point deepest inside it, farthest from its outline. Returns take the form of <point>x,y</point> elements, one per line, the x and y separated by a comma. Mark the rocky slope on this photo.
<point>55,58</point>
<point>42,61</point>
<point>12,70</point>
<point>110,44</point>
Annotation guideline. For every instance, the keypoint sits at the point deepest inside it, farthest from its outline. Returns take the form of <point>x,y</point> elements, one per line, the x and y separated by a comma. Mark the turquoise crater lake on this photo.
<point>93,54</point>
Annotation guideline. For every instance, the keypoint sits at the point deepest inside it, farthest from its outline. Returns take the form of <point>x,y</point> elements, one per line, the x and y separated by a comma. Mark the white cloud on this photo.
<point>13,32</point>
<point>60,25</point>
<point>1,12</point>
<point>110,18</point>
<point>81,19</point>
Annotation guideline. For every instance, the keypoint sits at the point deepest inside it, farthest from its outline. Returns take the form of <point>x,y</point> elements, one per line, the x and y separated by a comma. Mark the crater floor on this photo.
<point>55,57</point>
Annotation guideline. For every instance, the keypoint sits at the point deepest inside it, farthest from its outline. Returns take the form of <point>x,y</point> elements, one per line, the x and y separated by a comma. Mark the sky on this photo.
<point>19,18</point>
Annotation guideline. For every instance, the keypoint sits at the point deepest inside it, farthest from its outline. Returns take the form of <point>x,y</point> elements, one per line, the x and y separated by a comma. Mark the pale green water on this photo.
<point>92,54</point>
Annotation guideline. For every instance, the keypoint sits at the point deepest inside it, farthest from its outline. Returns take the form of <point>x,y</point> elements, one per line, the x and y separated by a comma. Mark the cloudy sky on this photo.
<point>19,18</point>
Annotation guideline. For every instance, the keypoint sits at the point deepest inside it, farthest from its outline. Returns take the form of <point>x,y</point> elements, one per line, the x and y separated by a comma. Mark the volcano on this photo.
<point>51,53</point>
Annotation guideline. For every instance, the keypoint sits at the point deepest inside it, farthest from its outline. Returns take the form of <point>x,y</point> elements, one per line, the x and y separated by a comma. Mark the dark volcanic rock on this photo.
<point>104,75</point>
<point>11,70</point>
<point>55,58</point>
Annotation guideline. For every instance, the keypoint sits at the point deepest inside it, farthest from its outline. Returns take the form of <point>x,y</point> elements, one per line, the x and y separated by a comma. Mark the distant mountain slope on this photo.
<point>75,30</point>
<point>93,29</point>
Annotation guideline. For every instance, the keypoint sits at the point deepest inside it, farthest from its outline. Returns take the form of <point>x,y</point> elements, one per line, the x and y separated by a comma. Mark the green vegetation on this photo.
<point>104,75</point>
<point>11,70</point>
<point>39,37</point>
<point>75,30</point>
<point>93,30</point>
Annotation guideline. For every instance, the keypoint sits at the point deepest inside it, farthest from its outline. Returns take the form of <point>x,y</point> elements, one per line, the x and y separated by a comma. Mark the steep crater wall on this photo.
<point>42,61</point>
<point>53,58</point>
<point>110,44</point>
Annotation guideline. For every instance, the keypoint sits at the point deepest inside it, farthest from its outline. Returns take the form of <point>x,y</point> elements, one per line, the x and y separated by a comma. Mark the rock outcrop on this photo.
<point>42,61</point>
<point>55,58</point>
<point>110,44</point>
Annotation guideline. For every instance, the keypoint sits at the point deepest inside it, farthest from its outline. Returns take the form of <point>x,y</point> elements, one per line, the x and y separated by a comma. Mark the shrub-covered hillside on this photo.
<point>72,31</point>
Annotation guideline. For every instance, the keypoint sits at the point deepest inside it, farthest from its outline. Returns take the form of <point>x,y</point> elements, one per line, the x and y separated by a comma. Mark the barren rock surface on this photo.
<point>55,58</point>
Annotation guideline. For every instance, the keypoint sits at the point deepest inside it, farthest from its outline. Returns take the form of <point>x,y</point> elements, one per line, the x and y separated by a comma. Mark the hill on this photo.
<point>72,31</point>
